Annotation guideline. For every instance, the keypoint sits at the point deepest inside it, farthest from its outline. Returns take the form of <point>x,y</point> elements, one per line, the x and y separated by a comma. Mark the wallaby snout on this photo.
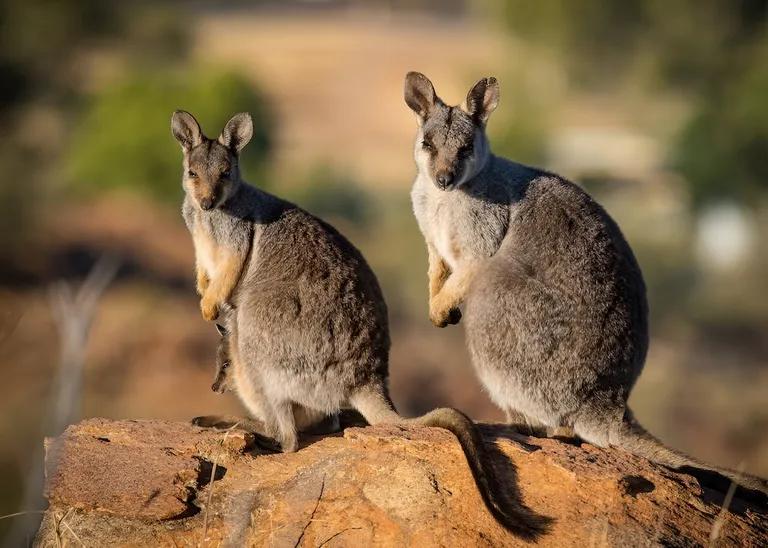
<point>444,179</point>
<point>218,386</point>
<point>221,382</point>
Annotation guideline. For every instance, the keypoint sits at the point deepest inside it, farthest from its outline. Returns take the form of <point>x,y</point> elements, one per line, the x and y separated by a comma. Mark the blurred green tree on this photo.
<point>521,131</point>
<point>44,49</point>
<point>723,148</point>
<point>687,43</point>
<point>123,140</point>
<point>41,41</point>
<point>328,193</point>
<point>712,49</point>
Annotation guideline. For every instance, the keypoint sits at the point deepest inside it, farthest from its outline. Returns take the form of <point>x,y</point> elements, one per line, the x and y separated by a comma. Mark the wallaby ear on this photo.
<point>186,130</point>
<point>420,94</point>
<point>483,99</point>
<point>237,132</point>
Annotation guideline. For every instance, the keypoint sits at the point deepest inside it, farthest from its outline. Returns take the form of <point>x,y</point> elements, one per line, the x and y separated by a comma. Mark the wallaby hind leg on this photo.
<point>315,422</point>
<point>596,427</point>
<point>524,424</point>
<point>565,432</point>
<point>278,417</point>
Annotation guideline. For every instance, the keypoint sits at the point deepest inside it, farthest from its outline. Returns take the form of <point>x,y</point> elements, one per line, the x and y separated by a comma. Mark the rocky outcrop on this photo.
<point>156,483</point>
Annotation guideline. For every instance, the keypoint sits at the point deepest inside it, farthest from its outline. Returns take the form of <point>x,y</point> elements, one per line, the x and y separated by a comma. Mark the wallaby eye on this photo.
<point>426,145</point>
<point>225,174</point>
<point>191,174</point>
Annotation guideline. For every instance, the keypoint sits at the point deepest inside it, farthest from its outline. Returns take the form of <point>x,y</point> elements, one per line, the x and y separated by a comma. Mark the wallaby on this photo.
<point>556,316</point>
<point>221,381</point>
<point>308,332</point>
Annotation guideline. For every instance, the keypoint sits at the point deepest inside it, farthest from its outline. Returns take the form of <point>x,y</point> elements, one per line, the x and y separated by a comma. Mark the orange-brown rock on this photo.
<point>155,483</point>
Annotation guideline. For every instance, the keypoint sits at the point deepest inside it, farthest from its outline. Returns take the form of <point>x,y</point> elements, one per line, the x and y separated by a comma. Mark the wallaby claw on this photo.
<point>454,316</point>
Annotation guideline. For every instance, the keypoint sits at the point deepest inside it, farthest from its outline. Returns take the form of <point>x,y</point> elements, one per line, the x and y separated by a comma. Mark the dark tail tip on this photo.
<point>502,500</point>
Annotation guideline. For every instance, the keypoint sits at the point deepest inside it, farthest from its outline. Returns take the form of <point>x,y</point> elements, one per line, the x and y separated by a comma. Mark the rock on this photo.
<point>156,483</point>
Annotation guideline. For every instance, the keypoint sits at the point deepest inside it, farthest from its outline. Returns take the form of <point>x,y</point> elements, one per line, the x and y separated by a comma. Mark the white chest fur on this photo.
<point>434,212</point>
<point>206,249</point>
<point>445,241</point>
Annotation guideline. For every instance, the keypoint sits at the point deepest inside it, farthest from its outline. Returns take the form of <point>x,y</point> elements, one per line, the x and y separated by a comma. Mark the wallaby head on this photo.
<point>221,383</point>
<point>451,145</point>
<point>211,167</point>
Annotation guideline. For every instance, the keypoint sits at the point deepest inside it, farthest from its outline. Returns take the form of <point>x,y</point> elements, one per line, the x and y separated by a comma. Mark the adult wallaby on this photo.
<point>556,315</point>
<point>307,332</point>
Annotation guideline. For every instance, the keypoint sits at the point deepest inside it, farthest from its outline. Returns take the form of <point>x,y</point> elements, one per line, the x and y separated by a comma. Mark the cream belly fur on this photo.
<point>206,250</point>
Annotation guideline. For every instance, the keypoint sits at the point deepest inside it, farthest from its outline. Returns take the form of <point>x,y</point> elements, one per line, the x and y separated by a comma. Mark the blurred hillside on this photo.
<point>658,109</point>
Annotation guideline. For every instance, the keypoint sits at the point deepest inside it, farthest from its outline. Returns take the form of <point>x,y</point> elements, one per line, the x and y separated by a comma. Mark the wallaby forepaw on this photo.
<point>438,320</point>
<point>202,284</point>
<point>450,316</point>
<point>210,310</point>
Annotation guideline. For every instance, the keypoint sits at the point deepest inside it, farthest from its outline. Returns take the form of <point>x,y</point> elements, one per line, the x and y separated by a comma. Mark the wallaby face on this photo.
<point>221,383</point>
<point>211,171</point>
<point>451,145</point>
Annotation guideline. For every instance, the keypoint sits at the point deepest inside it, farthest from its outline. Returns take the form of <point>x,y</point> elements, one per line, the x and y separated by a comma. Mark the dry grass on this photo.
<point>717,526</point>
<point>210,483</point>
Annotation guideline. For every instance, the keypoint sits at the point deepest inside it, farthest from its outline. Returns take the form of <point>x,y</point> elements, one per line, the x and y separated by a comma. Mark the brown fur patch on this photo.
<point>438,272</point>
<point>229,266</point>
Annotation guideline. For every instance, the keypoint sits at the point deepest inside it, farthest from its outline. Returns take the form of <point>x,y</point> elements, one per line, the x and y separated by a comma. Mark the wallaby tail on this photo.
<point>632,437</point>
<point>510,513</point>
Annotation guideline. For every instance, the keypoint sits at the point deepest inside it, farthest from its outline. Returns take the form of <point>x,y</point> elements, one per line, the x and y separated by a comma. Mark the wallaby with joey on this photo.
<point>306,327</point>
<point>555,314</point>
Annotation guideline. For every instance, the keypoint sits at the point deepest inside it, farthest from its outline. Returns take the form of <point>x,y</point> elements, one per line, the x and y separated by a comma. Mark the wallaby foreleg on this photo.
<point>444,306</point>
<point>202,280</point>
<point>438,271</point>
<point>221,286</point>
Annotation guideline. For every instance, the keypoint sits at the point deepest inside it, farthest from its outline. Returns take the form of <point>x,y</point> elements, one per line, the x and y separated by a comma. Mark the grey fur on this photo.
<point>556,316</point>
<point>308,332</point>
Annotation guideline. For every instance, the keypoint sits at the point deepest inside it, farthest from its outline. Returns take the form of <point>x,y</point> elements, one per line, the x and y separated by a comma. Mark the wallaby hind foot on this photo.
<point>226,422</point>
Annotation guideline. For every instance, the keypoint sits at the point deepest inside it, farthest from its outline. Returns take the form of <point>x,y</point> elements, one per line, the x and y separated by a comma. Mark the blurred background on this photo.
<point>660,109</point>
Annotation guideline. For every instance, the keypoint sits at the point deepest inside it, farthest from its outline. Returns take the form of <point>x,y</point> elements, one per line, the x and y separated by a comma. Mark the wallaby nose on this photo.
<point>206,203</point>
<point>444,179</point>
